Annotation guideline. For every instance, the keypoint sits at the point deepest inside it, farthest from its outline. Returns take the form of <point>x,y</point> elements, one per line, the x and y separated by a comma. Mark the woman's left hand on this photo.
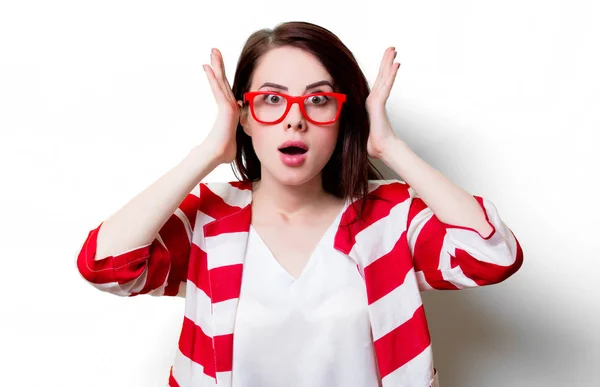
<point>381,131</point>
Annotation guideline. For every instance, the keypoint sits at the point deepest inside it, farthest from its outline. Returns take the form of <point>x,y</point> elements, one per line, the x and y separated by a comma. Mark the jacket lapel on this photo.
<point>226,239</point>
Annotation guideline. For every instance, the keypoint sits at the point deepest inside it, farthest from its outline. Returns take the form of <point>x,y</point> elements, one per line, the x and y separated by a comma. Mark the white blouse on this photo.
<point>313,331</point>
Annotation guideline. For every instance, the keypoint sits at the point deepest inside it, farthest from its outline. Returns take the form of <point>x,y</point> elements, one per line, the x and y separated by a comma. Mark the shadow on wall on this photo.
<point>480,337</point>
<point>487,337</point>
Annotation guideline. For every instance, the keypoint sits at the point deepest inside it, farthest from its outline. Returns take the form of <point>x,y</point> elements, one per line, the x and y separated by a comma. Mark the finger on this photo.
<point>383,60</point>
<point>225,86</point>
<point>389,61</point>
<point>214,85</point>
<point>389,82</point>
<point>221,64</point>
<point>216,68</point>
<point>386,60</point>
<point>224,76</point>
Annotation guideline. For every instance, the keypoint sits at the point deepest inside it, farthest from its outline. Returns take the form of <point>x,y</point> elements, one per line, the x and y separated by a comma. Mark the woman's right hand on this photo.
<point>221,138</point>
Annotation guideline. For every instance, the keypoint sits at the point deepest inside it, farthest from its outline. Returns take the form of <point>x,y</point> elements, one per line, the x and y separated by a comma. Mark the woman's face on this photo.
<point>290,70</point>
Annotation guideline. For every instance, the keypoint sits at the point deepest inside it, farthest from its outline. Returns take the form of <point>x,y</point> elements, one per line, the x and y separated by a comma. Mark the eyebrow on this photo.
<point>311,86</point>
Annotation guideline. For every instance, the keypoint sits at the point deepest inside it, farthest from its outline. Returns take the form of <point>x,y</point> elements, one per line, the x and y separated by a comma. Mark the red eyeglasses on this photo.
<point>270,107</point>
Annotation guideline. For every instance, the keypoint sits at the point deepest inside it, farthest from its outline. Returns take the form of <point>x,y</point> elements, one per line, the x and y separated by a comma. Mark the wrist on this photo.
<point>206,154</point>
<point>390,147</point>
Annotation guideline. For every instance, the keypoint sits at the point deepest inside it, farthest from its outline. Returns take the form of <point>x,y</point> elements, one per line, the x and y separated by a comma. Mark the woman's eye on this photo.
<point>272,98</point>
<point>318,99</point>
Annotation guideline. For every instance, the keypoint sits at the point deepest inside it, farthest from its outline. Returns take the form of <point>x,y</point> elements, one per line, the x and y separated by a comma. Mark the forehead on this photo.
<point>291,67</point>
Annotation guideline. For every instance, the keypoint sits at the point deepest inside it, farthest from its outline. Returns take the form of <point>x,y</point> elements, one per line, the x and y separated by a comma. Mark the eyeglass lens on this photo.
<point>271,107</point>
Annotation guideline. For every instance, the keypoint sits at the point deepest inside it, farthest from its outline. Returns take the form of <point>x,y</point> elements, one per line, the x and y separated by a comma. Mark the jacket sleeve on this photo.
<point>452,257</point>
<point>158,268</point>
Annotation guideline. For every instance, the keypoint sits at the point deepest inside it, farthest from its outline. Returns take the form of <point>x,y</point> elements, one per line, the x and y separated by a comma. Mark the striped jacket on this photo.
<point>400,248</point>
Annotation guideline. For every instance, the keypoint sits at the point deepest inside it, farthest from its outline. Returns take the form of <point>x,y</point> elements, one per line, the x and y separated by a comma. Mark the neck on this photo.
<point>280,200</point>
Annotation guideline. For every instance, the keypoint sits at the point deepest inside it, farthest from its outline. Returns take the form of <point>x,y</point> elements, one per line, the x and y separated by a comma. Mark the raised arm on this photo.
<point>145,246</point>
<point>452,257</point>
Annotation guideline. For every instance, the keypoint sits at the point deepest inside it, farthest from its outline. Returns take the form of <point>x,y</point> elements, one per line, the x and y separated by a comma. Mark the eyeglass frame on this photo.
<point>290,100</point>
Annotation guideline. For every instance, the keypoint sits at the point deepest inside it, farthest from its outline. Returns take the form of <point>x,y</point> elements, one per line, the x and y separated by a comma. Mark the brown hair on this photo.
<point>349,169</point>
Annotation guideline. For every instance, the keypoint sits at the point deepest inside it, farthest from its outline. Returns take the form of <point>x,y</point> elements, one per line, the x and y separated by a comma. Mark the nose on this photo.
<point>294,118</point>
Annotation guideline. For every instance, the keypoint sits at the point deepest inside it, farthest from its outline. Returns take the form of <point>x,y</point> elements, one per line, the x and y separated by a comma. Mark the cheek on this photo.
<point>261,140</point>
<point>325,144</point>
<point>330,137</point>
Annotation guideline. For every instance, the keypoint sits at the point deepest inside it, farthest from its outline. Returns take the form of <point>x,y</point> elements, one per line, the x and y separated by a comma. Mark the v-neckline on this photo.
<point>312,255</point>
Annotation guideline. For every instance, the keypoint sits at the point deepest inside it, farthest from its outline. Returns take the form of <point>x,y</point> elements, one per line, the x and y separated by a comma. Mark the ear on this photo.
<point>244,118</point>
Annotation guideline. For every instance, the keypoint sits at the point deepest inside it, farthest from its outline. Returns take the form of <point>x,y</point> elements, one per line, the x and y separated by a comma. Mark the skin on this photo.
<point>292,193</point>
<point>290,201</point>
<point>450,203</point>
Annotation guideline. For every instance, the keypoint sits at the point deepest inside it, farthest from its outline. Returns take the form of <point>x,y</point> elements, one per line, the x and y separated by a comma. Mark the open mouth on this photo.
<point>292,150</point>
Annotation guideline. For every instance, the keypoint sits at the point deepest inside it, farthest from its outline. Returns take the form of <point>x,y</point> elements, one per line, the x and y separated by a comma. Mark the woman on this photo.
<point>307,271</point>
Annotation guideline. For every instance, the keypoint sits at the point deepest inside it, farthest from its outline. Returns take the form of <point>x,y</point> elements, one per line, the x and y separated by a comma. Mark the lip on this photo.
<point>292,160</point>
<point>298,143</point>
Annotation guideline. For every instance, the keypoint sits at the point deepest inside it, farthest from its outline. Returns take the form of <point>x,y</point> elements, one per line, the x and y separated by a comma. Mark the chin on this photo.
<point>293,179</point>
<point>295,176</point>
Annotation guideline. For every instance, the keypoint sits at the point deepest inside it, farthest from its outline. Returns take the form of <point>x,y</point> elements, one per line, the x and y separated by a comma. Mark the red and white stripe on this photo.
<point>400,248</point>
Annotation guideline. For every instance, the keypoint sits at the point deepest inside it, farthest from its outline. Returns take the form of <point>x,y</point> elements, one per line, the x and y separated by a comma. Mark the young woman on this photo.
<point>307,271</point>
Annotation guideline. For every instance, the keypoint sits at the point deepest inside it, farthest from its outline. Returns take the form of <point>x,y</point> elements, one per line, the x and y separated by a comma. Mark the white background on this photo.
<point>99,99</point>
